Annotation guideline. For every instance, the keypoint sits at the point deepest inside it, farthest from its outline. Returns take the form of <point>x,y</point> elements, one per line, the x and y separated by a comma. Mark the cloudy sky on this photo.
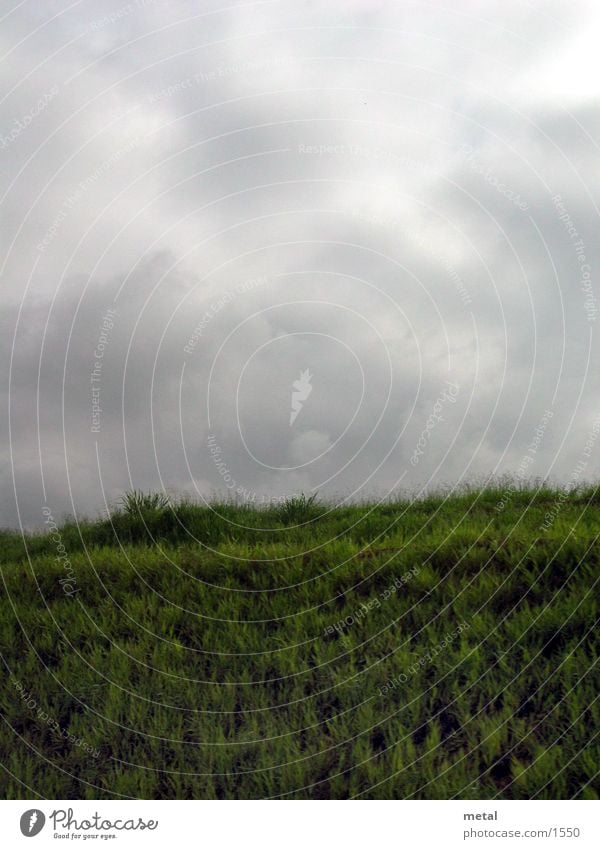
<point>256,248</point>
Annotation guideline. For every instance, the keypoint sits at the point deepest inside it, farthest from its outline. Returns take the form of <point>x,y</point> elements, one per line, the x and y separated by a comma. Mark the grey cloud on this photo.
<point>162,190</point>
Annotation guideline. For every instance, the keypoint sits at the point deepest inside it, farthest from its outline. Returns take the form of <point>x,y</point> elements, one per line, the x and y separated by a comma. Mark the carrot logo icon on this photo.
<point>301,390</point>
<point>32,822</point>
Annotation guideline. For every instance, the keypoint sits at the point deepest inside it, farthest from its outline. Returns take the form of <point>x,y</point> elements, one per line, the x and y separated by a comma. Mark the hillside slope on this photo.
<point>434,649</point>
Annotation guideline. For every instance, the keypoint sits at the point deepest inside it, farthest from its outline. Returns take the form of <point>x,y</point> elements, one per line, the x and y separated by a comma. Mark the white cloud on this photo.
<point>321,149</point>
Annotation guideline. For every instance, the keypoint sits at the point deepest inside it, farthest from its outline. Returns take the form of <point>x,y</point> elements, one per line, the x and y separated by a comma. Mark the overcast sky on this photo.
<point>252,249</point>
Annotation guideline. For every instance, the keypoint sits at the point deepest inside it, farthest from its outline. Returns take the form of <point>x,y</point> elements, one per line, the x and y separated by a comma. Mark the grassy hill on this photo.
<point>438,648</point>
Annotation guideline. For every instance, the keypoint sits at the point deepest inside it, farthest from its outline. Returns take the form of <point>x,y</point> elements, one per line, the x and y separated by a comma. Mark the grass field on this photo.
<point>439,648</point>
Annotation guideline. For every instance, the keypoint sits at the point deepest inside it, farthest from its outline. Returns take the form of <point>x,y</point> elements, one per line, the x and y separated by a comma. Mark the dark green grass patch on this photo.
<point>433,649</point>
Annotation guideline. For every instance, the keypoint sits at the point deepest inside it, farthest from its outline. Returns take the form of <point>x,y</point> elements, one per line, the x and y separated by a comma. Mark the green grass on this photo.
<point>181,651</point>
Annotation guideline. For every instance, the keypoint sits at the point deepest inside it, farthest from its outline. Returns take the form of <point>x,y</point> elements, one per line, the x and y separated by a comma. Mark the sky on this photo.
<point>254,249</point>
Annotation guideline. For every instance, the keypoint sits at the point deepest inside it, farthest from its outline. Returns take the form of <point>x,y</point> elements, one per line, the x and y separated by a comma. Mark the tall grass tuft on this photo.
<point>137,503</point>
<point>298,509</point>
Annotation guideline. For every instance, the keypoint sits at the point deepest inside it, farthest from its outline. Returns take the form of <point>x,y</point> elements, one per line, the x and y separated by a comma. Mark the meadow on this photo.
<point>440,647</point>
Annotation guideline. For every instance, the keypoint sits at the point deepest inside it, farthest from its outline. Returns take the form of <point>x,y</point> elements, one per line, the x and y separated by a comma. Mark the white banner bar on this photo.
<point>302,824</point>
